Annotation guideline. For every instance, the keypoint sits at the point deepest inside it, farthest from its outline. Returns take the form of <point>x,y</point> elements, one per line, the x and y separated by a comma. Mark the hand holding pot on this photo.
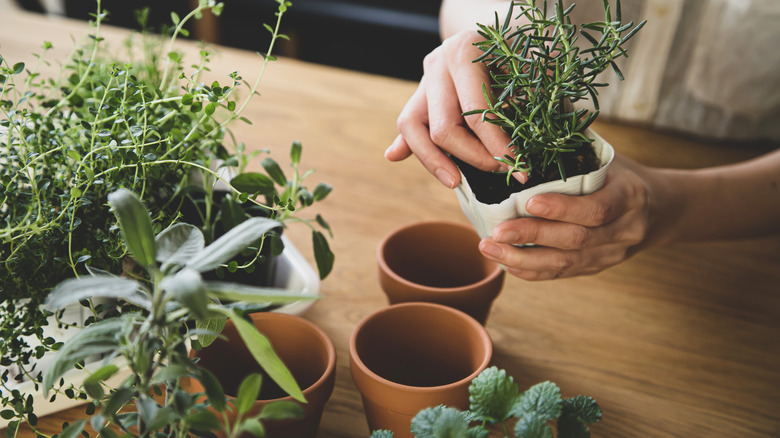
<point>578,235</point>
<point>432,121</point>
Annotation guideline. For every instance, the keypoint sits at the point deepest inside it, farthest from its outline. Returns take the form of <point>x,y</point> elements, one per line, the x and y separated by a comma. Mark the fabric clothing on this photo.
<point>710,68</point>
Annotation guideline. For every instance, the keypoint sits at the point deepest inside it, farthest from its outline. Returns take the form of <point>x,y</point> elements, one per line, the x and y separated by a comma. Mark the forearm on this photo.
<point>726,202</point>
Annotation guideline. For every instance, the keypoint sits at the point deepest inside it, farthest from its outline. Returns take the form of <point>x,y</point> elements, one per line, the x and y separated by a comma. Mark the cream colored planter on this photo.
<point>485,217</point>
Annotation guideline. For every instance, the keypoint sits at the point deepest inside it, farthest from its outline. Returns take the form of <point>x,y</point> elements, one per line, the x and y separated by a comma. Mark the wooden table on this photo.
<point>679,341</point>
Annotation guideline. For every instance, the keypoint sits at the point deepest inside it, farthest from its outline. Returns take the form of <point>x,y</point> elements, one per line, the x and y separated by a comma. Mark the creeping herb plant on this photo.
<point>497,404</point>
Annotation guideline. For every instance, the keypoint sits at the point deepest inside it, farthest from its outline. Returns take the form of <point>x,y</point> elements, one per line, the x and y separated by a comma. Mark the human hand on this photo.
<point>432,123</point>
<point>578,235</point>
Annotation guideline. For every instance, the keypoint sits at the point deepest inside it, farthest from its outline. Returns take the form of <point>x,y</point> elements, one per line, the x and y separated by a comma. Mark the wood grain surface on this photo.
<point>681,341</point>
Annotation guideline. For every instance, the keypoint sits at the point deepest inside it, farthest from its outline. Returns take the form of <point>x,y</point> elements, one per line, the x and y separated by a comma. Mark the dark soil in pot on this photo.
<point>492,188</point>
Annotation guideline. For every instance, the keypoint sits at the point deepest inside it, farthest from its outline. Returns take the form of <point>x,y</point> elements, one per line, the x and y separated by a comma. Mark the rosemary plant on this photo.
<point>538,71</point>
<point>148,123</point>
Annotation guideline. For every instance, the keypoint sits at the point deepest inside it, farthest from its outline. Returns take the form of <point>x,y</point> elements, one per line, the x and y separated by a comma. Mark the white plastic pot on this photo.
<point>485,217</point>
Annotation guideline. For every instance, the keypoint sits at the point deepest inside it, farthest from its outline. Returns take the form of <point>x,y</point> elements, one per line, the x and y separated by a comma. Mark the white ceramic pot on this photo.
<point>485,217</point>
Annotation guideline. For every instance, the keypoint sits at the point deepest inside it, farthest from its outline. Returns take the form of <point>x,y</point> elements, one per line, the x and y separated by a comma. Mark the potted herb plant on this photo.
<point>497,406</point>
<point>170,293</point>
<point>539,73</point>
<point>145,120</point>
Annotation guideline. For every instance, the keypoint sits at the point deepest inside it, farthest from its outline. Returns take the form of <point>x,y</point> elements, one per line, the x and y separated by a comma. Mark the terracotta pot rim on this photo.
<point>326,341</point>
<point>483,334</point>
<point>490,277</point>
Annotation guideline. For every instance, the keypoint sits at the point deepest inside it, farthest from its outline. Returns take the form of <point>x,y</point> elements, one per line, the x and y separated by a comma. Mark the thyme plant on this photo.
<point>538,71</point>
<point>148,122</point>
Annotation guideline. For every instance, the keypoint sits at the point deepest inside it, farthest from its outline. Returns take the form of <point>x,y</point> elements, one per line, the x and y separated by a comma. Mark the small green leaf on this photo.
<point>582,407</point>
<point>135,224</point>
<point>532,426</point>
<point>492,395</point>
<point>295,152</point>
<point>281,410</point>
<point>248,392</point>
<point>211,324</point>
<point>253,182</point>
<point>322,254</point>
<point>230,213</point>
<point>266,357</point>
<point>103,373</point>
<point>440,421</point>
<point>213,389</point>
<point>274,171</point>
<point>73,430</point>
<point>18,68</point>
<point>116,401</point>
<point>210,108</point>
<point>204,421</point>
<point>321,191</point>
<point>542,400</point>
<point>253,426</point>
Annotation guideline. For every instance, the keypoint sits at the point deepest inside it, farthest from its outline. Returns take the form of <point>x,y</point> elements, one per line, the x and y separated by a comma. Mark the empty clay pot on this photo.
<point>410,356</point>
<point>439,262</point>
<point>305,349</point>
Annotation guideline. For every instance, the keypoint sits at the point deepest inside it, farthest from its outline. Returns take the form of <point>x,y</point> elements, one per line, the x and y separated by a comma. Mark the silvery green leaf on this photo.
<point>250,294</point>
<point>231,243</point>
<point>96,338</point>
<point>187,287</point>
<point>212,327</point>
<point>177,244</point>
<point>73,290</point>
<point>136,225</point>
<point>95,272</point>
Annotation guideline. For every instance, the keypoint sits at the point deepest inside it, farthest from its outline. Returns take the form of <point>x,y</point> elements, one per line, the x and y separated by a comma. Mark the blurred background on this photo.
<point>386,37</point>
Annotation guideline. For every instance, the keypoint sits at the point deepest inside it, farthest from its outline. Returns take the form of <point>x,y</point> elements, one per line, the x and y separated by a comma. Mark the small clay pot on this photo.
<point>439,262</point>
<point>305,349</point>
<point>410,356</point>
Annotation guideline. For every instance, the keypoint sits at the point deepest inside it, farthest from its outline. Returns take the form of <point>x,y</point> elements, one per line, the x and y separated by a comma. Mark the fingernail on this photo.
<point>490,249</point>
<point>446,178</point>
<point>389,149</point>
<point>506,236</point>
<point>536,207</point>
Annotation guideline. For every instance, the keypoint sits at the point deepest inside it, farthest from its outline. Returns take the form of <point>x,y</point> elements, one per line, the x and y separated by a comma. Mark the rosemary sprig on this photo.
<point>538,71</point>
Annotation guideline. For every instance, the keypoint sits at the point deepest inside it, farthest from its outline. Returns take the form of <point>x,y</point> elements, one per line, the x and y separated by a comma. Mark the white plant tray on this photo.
<point>293,273</point>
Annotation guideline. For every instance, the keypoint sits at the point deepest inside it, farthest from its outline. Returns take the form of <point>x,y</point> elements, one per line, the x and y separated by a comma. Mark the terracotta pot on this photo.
<point>306,350</point>
<point>410,356</point>
<point>485,217</point>
<point>439,262</point>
